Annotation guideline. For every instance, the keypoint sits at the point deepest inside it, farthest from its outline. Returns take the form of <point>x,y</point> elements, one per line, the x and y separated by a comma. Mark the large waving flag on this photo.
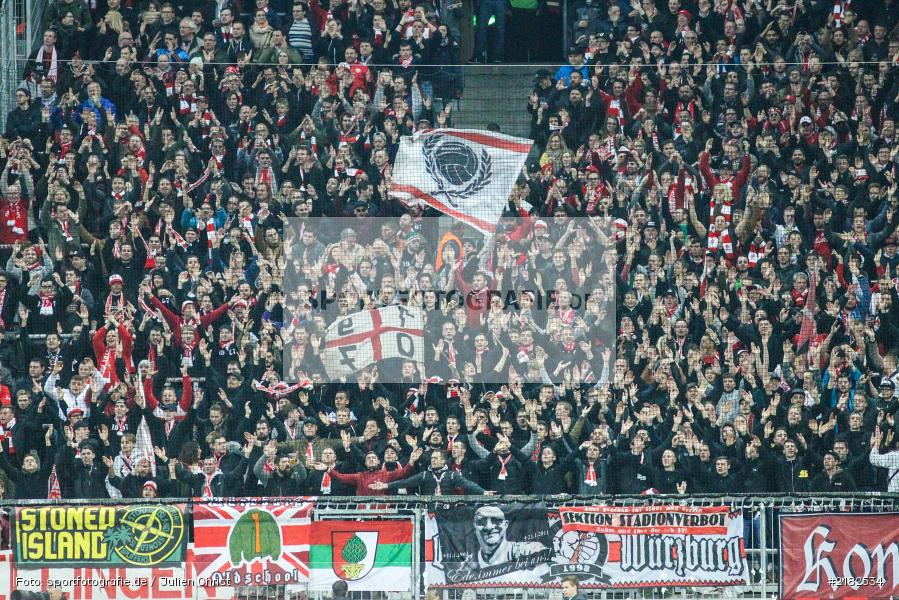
<point>358,340</point>
<point>465,173</point>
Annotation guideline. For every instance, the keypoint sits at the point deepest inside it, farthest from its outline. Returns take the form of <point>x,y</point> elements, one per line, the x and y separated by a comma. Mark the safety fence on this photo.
<point>9,73</point>
<point>464,547</point>
<point>20,29</point>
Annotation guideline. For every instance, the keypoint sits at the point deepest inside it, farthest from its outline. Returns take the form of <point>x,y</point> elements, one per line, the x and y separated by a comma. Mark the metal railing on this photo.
<point>761,536</point>
<point>9,73</point>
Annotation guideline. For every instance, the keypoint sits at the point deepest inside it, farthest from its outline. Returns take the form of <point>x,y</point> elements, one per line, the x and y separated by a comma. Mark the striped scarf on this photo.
<point>721,242</point>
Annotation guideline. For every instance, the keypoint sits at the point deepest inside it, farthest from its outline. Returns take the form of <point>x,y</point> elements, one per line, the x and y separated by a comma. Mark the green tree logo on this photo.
<point>255,535</point>
<point>354,551</point>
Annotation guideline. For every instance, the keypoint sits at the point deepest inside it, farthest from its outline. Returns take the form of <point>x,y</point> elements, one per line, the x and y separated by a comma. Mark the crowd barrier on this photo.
<point>806,546</point>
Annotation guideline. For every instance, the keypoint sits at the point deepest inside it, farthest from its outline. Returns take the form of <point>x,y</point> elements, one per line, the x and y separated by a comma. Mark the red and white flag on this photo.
<point>465,173</point>
<point>53,491</point>
<point>365,338</point>
<point>252,543</point>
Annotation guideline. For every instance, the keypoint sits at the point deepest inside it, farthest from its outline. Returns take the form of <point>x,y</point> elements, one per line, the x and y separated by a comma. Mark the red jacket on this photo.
<point>176,321</point>
<point>187,395</point>
<point>736,182</point>
<point>363,480</point>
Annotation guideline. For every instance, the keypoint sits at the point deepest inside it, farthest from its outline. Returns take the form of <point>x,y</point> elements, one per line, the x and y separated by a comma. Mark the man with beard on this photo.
<point>277,473</point>
<point>319,482</point>
<point>47,305</point>
<point>132,485</point>
<point>310,446</point>
<point>436,481</point>
<point>373,473</point>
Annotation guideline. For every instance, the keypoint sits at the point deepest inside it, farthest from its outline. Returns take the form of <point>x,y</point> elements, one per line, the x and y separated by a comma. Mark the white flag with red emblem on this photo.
<point>465,173</point>
<point>361,339</point>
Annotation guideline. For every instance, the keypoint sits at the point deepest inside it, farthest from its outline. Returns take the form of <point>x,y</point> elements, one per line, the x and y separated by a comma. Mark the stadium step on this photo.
<point>496,94</point>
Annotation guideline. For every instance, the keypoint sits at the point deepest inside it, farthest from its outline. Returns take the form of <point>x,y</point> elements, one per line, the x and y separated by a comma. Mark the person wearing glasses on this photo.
<point>494,548</point>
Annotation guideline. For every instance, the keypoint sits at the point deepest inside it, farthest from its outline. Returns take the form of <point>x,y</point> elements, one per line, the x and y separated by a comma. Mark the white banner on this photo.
<point>465,173</point>
<point>603,546</point>
<point>365,338</point>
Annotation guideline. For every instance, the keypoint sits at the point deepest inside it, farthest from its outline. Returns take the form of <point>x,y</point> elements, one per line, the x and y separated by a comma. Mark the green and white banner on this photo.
<point>368,555</point>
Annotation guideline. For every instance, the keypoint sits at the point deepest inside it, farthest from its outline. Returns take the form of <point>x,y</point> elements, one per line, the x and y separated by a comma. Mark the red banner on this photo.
<point>839,556</point>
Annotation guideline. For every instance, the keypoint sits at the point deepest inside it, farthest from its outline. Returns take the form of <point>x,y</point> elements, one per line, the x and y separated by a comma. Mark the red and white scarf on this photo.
<point>107,365</point>
<point>114,304</point>
<point>721,242</point>
<point>187,105</point>
<point>266,177</point>
<point>839,8</point>
<point>312,142</point>
<point>726,209</point>
<point>6,434</point>
<point>46,308</point>
<point>210,233</point>
<point>53,490</point>
<point>756,252</point>
<point>503,473</point>
<point>15,218</point>
<point>220,159</point>
<point>41,59</point>
<point>590,478</point>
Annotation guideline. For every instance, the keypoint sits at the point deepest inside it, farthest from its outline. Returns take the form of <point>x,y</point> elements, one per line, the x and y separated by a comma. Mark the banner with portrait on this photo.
<point>504,544</point>
<point>603,546</point>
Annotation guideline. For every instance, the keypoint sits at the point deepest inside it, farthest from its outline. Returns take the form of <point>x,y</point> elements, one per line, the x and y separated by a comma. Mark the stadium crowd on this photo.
<point>172,174</point>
